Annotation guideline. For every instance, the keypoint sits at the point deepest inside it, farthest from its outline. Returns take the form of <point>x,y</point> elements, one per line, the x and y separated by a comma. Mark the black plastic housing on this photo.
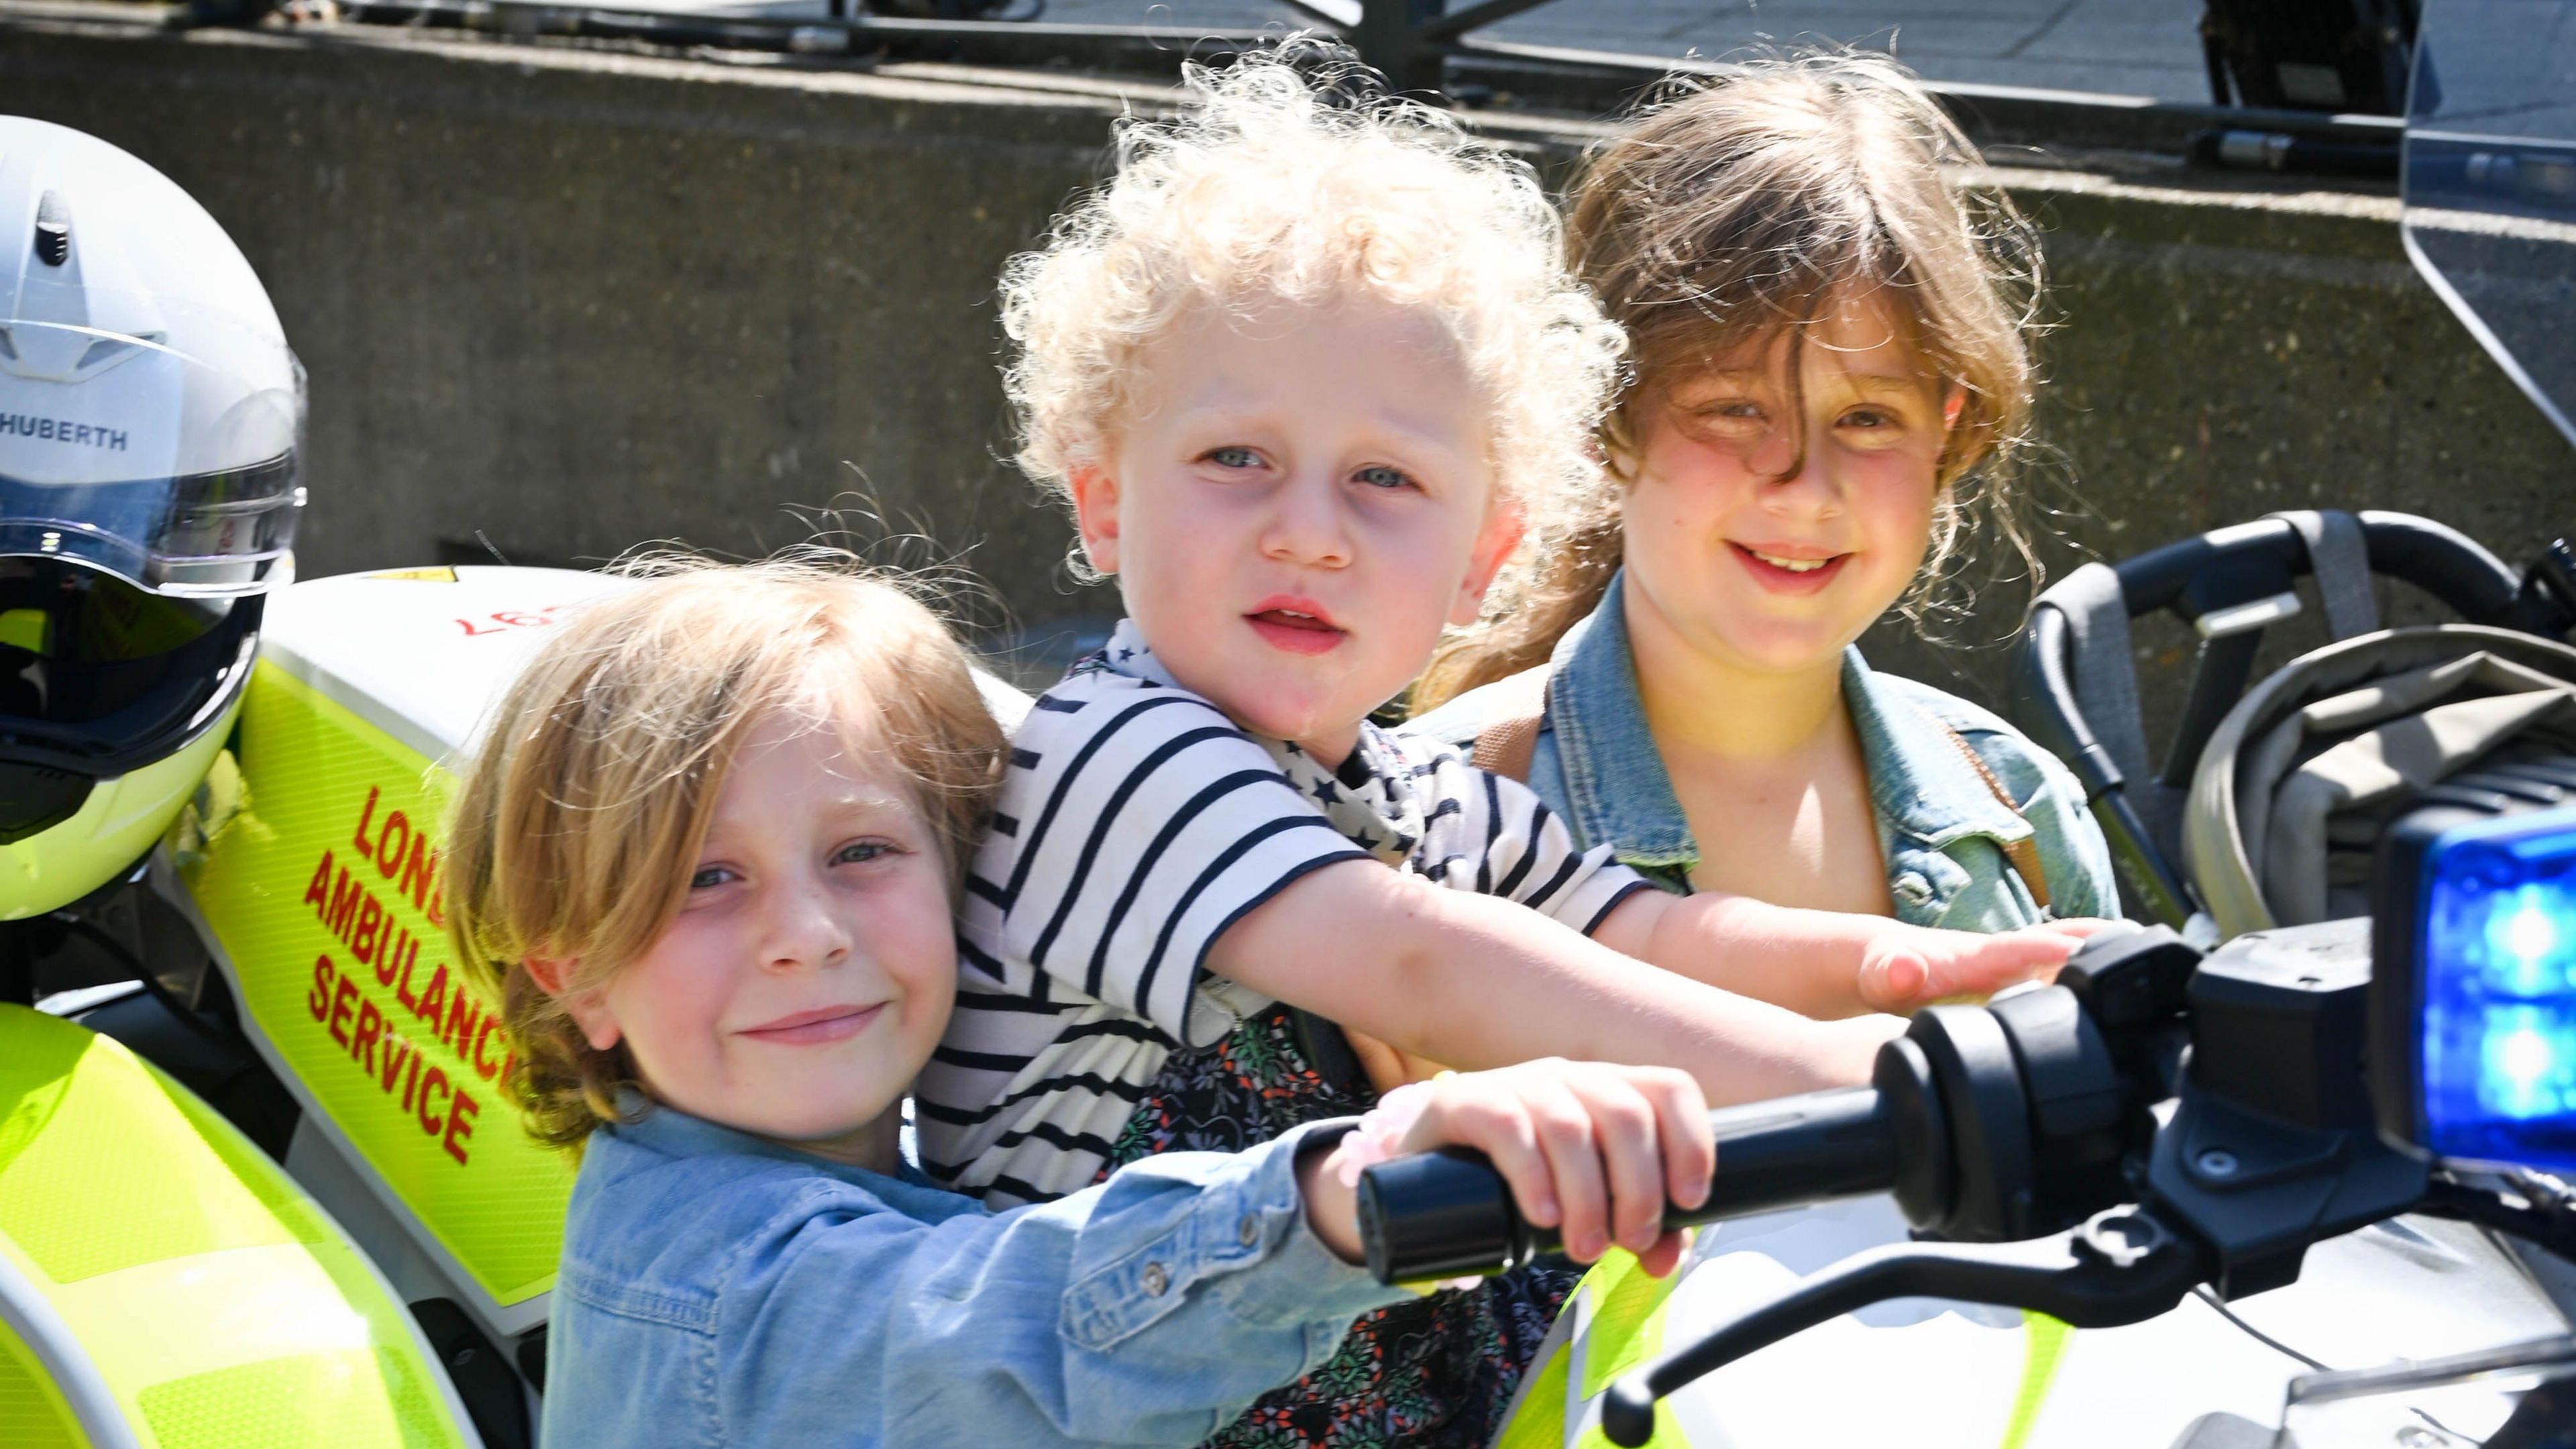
<point>2278,1021</point>
<point>1447,1214</point>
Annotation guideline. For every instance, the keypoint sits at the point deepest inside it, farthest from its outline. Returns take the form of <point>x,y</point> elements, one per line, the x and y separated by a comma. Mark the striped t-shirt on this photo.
<point>1135,824</point>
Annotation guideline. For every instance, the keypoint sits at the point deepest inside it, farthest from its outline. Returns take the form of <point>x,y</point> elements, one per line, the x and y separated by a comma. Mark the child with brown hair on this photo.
<point>706,854</point>
<point>1832,380</point>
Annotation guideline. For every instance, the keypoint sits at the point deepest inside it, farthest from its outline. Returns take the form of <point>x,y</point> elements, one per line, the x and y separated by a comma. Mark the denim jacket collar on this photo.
<point>1925,792</point>
<point>1921,783</point>
<point>677,1134</point>
<point>1615,781</point>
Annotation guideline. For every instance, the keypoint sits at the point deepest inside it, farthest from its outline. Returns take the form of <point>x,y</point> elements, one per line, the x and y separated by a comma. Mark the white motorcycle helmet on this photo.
<point>151,423</point>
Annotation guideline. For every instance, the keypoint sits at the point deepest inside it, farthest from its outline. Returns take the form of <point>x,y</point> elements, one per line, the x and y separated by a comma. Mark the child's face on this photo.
<point>811,968</point>
<point>1294,508</point>
<point>1773,574</point>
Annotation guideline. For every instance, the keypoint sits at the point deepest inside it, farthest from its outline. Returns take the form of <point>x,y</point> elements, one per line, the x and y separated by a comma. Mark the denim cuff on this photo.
<point>1245,1240</point>
<point>1303,1281</point>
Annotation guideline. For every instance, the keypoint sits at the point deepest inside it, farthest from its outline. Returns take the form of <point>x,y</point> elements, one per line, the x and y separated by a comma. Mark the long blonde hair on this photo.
<point>1743,207</point>
<point>573,827</point>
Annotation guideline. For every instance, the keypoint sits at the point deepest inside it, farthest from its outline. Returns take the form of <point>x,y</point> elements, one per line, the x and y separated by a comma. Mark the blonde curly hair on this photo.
<point>1281,185</point>
<point>574,824</point>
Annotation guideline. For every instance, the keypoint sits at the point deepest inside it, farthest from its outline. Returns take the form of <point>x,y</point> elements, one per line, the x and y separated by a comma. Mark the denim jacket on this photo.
<point>1940,828</point>
<point>720,1290</point>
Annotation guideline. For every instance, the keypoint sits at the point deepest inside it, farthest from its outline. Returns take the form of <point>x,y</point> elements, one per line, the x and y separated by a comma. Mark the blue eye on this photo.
<point>1381,476</point>
<point>1233,456</point>
<point>1729,417</point>
<point>860,852</point>
<point>709,877</point>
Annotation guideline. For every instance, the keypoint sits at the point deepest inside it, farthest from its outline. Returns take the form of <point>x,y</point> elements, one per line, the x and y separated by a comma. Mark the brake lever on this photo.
<point>2122,1266</point>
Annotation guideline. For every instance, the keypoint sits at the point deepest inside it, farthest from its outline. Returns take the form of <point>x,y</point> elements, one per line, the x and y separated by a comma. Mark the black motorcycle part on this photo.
<point>489,1391</point>
<point>2221,569</point>
<point>1447,1213</point>
<point>36,798</point>
<point>1967,1114</point>
<point>2271,1147</point>
<point>2081,1120</point>
<point>2134,985</point>
<point>1978,1080</point>
<point>2278,1020</point>
<point>532,1356</point>
<point>2549,587</point>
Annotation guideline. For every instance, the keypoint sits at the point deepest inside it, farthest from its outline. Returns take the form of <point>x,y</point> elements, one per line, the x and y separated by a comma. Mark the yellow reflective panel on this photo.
<point>354,1399</point>
<point>323,889</point>
<point>193,1274</point>
<point>97,1173</point>
<point>32,1414</point>
<point>1539,1422</point>
<point>23,629</point>
<point>2039,1371</point>
<point>1627,1326</point>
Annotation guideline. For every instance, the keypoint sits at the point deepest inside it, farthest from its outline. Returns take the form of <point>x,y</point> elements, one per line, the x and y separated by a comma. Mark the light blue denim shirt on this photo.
<point>720,1290</point>
<point>1940,828</point>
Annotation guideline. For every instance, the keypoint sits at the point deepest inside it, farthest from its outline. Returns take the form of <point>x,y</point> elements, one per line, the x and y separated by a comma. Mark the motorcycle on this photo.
<point>258,1184</point>
<point>357,1246</point>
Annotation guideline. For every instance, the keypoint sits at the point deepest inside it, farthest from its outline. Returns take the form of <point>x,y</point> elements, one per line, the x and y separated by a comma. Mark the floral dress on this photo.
<point>1439,1371</point>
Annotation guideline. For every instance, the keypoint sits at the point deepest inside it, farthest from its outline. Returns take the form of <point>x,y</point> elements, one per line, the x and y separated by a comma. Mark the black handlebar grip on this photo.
<point>1446,1214</point>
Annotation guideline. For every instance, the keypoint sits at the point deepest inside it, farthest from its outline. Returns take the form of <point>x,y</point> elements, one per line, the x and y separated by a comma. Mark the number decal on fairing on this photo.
<point>501,621</point>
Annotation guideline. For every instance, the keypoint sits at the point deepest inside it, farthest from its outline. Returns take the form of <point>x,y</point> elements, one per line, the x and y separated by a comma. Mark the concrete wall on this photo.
<point>572,300</point>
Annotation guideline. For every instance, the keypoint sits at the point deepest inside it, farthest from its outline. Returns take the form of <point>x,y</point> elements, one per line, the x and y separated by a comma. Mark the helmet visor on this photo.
<point>179,474</point>
<point>97,674</point>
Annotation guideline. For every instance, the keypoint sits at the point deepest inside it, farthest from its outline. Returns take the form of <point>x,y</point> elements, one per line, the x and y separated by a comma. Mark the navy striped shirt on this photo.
<point>1135,825</point>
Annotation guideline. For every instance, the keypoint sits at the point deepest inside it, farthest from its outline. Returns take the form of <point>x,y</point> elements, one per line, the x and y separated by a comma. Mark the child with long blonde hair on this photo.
<point>706,855</point>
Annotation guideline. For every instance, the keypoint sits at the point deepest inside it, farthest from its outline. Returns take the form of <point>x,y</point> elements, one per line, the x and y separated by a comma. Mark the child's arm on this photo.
<point>1153,1308</point>
<point>1826,963</point>
<point>1480,981</point>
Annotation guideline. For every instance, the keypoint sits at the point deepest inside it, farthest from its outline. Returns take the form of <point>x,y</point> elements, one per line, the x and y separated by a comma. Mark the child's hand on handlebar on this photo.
<point>1906,968</point>
<point>1592,1149</point>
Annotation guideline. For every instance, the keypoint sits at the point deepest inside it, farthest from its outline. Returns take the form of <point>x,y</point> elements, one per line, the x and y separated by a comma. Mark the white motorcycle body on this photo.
<point>1936,1375</point>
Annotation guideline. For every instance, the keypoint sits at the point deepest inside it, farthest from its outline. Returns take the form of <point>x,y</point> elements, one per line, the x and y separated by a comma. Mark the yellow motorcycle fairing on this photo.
<point>164,1285</point>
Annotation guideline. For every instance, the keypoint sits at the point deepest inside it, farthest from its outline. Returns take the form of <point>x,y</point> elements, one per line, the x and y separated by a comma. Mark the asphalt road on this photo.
<point>2128,47</point>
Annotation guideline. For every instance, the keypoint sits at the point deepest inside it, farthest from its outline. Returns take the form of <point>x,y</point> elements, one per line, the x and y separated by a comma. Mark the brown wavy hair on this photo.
<point>574,824</point>
<point>1744,206</point>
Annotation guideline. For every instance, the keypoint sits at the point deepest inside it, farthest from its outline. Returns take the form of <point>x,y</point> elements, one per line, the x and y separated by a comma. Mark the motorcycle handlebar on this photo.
<point>1446,1214</point>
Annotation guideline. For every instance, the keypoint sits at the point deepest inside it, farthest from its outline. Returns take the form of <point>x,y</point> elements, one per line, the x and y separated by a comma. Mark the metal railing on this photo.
<point>1422,47</point>
<point>1410,42</point>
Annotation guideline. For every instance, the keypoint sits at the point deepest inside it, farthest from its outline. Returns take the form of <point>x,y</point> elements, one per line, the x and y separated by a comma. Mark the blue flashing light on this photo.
<point>2498,973</point>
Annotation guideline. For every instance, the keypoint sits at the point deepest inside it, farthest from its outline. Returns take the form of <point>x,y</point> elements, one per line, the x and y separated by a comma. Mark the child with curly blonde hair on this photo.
<point>706,854</point>
<point>1309,370</point>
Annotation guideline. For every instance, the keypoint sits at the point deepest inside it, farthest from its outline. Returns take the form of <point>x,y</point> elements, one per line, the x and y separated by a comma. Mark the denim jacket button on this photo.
<point>1156,1280</point>
<point>1248,1232</point>
<point>1913,887</point>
